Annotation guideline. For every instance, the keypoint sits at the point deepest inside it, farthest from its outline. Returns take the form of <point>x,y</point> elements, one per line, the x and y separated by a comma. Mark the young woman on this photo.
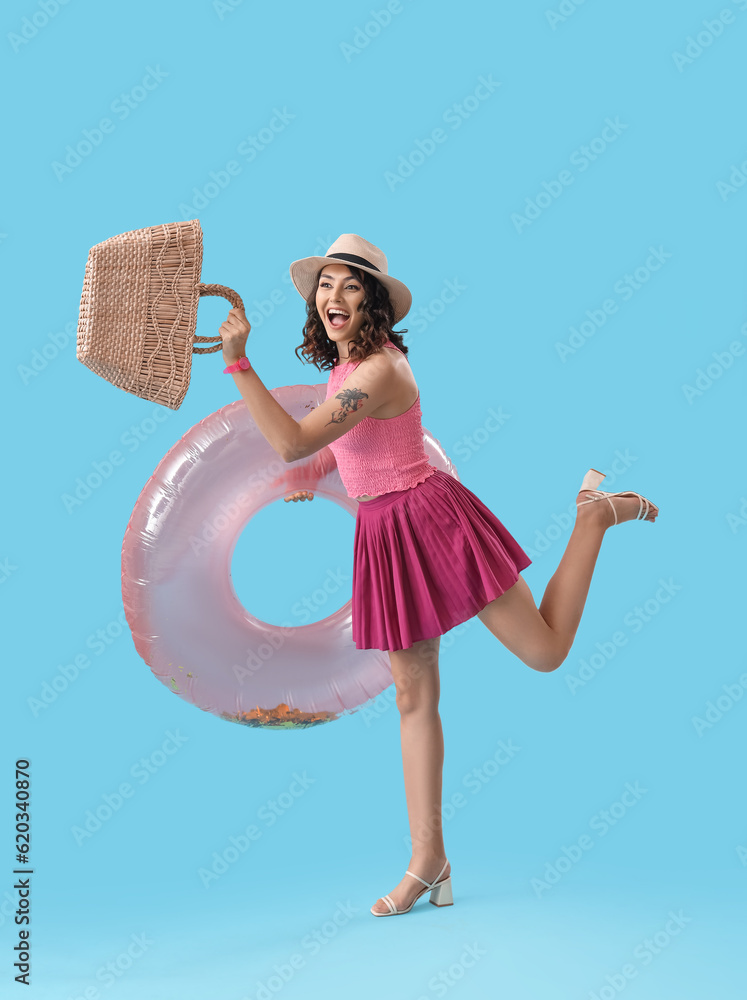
<point>428,554</point>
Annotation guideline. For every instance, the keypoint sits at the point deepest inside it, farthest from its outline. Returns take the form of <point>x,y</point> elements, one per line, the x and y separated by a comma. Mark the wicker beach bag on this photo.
<point>138,310</point>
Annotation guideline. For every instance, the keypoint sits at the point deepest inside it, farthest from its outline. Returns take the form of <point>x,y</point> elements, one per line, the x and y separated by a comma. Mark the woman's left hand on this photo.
<point>233,333</point>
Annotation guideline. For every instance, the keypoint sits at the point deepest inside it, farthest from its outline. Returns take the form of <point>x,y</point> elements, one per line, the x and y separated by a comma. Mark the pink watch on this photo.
<point>241,365</point>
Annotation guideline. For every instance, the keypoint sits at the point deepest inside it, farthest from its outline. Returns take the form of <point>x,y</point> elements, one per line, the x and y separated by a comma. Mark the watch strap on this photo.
<point>241,365</point>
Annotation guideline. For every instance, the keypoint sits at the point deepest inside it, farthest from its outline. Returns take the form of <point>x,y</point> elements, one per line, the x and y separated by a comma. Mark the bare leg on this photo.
<point>417,682</point>
<point>542,637</point>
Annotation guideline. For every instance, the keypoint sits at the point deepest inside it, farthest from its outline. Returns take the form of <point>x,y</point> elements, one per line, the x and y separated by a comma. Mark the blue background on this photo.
<point>359,98</point>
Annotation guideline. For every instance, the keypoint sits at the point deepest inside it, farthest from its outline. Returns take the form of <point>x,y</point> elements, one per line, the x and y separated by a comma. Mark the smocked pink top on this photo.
<point>379,455</point>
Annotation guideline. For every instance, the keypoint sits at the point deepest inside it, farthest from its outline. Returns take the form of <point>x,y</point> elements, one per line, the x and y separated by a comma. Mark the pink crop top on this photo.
<point>379,455</point>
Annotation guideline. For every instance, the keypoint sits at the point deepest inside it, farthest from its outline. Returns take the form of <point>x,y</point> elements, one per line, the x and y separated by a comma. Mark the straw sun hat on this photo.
<point>138,310</point>
<point>352,249</point>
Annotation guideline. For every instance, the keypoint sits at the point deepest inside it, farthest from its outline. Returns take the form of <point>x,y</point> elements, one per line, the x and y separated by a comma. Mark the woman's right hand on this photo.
<point>300,495</point>
<point>322,463</point>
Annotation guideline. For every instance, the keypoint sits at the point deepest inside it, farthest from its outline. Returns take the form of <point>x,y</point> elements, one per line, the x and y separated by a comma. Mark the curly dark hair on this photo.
<point>378,313</point>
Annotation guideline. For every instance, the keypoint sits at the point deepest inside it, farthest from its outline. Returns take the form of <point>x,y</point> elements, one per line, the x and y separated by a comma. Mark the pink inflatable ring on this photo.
<point>187,622</point>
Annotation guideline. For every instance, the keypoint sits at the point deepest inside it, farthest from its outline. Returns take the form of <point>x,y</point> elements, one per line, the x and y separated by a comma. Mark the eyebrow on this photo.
<point>345,277</point>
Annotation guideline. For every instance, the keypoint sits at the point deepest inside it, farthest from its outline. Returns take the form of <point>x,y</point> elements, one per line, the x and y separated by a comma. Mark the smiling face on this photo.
<point>338,297</point>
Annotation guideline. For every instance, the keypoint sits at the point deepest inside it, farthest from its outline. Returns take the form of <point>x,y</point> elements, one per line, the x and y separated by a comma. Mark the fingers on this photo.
<point>301,495</point>
<point>238,316</point>
<point>236,324</point>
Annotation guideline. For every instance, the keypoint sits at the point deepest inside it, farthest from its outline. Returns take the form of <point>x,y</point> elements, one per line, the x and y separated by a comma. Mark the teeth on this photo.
<point>337,312</point>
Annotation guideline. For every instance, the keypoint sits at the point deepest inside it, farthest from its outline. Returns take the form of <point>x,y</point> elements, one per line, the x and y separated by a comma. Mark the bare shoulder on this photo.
<point>385,357</point>
<point>381,365</point>
<point>400,389</point>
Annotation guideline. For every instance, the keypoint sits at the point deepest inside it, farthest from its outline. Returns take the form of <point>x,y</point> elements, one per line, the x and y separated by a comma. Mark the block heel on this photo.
<point>441,893</point>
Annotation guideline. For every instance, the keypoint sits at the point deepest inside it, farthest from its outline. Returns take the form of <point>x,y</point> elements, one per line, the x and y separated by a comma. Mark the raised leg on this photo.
<point>417,683</point>
<point>542,637</point>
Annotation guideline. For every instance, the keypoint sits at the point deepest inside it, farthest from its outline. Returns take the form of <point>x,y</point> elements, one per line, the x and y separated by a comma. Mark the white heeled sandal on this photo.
<point>593,478</point>
<point>440,893</point>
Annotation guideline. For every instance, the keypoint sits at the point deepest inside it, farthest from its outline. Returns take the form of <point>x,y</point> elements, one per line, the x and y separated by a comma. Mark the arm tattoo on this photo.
<point>350,401</point>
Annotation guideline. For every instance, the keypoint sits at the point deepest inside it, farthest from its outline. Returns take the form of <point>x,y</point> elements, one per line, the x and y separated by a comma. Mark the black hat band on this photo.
<point>353,258</point>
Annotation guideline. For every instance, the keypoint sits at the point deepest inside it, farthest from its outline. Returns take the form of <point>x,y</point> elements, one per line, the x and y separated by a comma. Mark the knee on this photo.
<point>549,666</point>
<point>551,660</point>
<point>411,701</point>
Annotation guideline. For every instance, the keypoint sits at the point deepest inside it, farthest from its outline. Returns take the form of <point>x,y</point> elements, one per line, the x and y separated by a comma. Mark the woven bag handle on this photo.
<point>233,297</point>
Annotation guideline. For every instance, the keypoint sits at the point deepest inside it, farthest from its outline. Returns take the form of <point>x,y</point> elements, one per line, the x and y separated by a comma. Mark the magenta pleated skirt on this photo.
<point>426,559</point>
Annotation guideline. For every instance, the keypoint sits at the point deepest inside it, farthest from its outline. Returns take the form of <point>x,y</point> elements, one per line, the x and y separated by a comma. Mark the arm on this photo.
<point>311,474</point>
<point>278,427</point>
<point>362,392</point>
